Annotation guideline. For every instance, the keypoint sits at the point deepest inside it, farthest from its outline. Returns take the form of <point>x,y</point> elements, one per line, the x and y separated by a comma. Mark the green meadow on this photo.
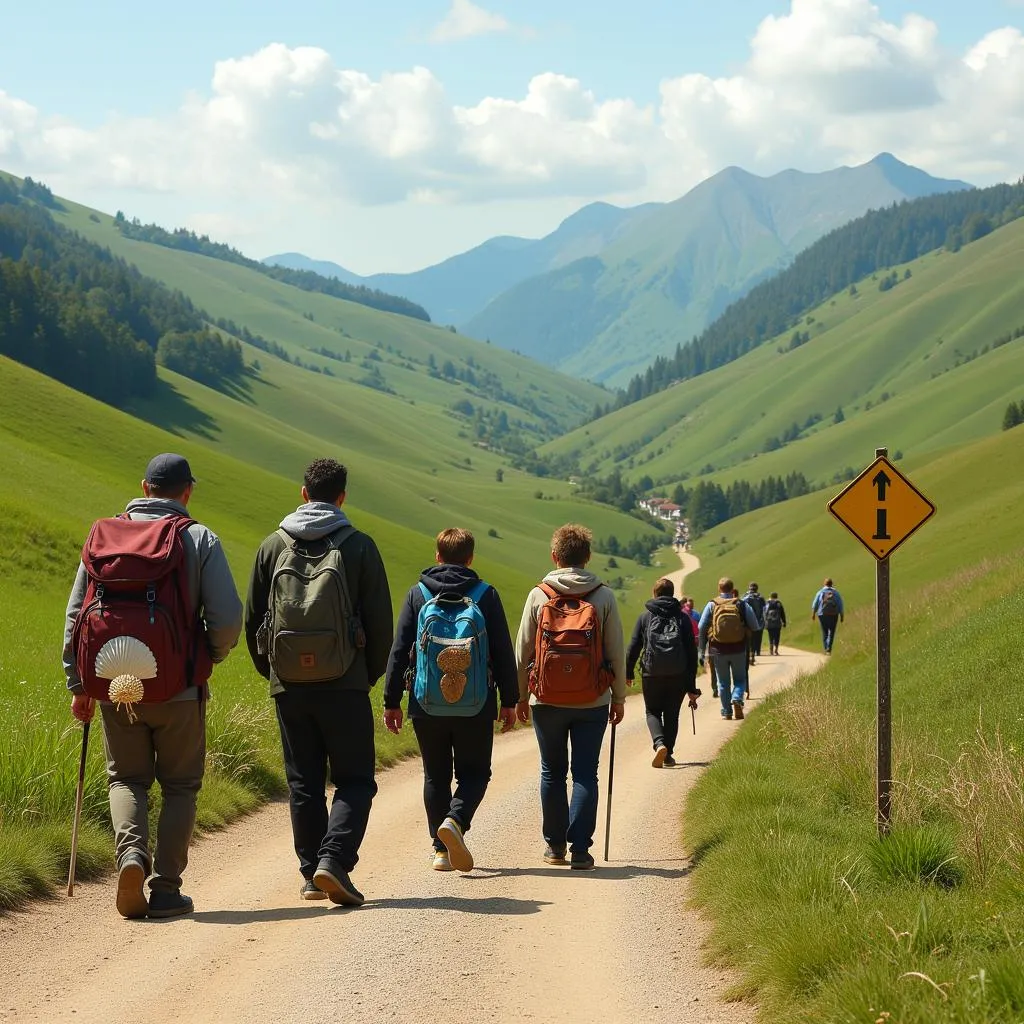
<point>822,920</point>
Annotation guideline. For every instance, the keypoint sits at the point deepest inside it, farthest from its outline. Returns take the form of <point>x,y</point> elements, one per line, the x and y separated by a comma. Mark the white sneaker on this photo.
<point>440,861</point>
<point>450,833</point>
<point>659,756</point>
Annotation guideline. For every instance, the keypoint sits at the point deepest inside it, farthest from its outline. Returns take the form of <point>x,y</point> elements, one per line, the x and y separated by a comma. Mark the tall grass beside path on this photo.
<point>826,922</point>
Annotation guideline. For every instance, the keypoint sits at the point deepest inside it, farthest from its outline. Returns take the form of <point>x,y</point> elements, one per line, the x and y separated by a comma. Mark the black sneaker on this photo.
<point>334,881</point>
<point>311,891</point>
<point>737,710</point>
<point>169,904</point>
<point>669,762</point>
<point>131,896</point>
<point>714,691</point>
<point>553,855</point>
<point>579,860</point>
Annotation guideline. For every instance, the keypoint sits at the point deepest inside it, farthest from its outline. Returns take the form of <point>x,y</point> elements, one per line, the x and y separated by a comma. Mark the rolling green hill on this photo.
<point>672,273</point>
<point>386,352</point>
<point>928,364</point>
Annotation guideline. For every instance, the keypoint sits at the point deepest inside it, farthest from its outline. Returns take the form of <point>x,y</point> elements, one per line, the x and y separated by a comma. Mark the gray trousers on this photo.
<point>166,743</point>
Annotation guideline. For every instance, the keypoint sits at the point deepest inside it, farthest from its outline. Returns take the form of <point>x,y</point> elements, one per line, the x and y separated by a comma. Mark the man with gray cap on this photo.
<point>319,626</point>
<point>151,580</point>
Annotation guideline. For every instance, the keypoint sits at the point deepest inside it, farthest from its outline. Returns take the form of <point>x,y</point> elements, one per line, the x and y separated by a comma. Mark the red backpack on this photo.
<point>568,662</point>
<point>138,588</point>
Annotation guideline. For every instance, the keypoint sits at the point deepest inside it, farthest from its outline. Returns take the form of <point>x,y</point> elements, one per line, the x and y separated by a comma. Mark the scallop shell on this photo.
<point>453,685</point>
<point>125,655</point>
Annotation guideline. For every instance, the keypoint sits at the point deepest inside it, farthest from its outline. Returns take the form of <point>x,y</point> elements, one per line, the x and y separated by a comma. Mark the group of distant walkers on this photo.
<point>154,607</point>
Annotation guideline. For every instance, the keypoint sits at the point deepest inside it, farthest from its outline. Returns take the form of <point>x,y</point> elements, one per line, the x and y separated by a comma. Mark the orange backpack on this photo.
<point>568,662</point>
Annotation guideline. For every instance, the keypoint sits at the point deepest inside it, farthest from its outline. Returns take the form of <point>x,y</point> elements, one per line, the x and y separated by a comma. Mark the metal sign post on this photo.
<point>882,508</point>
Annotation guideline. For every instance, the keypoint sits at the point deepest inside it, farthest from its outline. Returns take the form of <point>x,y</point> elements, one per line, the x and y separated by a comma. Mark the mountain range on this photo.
<point>611,288</point>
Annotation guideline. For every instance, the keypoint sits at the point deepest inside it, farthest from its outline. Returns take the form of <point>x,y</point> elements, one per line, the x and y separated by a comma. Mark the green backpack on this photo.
<point>312,630</point>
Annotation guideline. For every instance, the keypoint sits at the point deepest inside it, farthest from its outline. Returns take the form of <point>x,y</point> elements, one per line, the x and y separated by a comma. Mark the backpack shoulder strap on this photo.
<point>427,595</point>
<point>478,590</point>
<point>549,591</point>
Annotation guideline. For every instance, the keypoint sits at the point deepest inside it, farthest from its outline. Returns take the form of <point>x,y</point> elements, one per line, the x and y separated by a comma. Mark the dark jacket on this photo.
<point>452,579</point>
<point>664,606</point>
<point>211,589</point>
<point>757,604</point>
<point>367,584</point>
<point>774,602</point>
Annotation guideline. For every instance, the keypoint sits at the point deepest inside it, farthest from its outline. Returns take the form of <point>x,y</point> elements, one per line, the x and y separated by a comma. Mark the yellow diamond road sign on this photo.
<point>881,508</point>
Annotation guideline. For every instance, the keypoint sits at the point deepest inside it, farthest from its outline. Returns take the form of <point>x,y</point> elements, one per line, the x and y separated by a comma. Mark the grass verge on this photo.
<point>822,920</point>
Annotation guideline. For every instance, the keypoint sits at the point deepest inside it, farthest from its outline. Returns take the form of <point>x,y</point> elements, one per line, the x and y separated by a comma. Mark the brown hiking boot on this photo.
<point>737,710</point>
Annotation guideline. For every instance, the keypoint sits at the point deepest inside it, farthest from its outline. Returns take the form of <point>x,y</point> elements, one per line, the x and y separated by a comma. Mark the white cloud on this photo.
<point>465,20</point>
<point>830,82</point>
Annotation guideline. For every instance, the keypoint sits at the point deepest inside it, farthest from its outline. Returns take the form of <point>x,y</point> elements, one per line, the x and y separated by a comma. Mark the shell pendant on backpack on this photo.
<point>125,661</point>
<point>453,662</point>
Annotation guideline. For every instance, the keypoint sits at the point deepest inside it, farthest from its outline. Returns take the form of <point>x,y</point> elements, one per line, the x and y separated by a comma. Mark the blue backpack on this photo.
<point>451,654</point>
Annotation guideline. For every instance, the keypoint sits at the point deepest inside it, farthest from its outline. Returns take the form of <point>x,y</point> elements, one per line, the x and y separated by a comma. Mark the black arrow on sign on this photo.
<point>881,481</point>
<point>881,525</point>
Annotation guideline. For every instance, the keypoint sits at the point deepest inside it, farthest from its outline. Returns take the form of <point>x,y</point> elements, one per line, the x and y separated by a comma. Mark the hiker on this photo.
<point>318,624</point>
<point>687,605</point>
<point>756,603</point>
<point>452,708</point>
<point>723,635</point>
<point>668,667</point>
<point>827,607</point>
<point>111,650</point>
<point>574,687</point>
<point>774,621</point>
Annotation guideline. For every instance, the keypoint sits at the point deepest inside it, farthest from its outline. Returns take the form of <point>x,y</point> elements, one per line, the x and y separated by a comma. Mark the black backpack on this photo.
<point>756,604</point>
<point>773,615</point>
<point>829,602</point>
<point>664,653</point>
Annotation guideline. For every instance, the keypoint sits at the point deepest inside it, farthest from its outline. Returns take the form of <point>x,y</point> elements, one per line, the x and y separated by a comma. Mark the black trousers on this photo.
<point>323,729</point>
<point>754,641</point>
<point>774,636</point>
<point>460,747</point>
<point>663,698</point>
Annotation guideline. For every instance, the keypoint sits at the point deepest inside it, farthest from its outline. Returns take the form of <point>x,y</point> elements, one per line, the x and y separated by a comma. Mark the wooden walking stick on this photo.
<point>78,809</point>
<point>611,782</point>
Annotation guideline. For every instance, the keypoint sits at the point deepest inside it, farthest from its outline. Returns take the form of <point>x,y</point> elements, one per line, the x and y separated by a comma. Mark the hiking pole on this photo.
<point>693,715</point>
<point>611,781</point>
<point>78,809</point>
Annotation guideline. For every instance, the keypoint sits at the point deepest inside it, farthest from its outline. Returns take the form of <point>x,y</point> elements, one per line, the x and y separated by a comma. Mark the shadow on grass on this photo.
<point>169,409</point>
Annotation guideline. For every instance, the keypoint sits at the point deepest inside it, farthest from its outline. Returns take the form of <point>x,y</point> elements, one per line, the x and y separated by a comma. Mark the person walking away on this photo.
<point>723,637</point>
<point>572,679</point>
<point>152,610</point>
<point>318,625</point>
<point>453,653</point>
<point>757,604</point>
<point>774,621</point>
<point>668,667</point>
<point>827,607</point>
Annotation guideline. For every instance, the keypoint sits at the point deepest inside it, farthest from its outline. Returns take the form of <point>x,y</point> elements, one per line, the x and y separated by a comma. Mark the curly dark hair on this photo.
<point>325,480</point>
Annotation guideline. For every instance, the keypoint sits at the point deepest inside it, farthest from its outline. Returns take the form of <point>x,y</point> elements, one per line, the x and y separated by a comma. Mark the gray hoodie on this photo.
<point>574,580</point>
<point>314,520</point>
<point>210,587</point>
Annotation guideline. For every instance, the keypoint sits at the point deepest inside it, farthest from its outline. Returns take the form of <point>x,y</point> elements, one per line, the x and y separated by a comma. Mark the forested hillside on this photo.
<point>72,310</point>
<point>879,240</point>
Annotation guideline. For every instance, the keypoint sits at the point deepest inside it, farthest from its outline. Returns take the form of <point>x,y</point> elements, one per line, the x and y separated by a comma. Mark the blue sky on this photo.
<point>111,101</point>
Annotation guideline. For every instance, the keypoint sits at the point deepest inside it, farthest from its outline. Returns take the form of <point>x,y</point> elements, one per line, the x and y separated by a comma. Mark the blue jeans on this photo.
<point>563,822</point>
<point>734,667</point>
<point>828,625</point>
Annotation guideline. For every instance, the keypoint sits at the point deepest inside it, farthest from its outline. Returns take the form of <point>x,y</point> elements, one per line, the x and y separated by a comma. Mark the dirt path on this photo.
<point>515,940</point>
